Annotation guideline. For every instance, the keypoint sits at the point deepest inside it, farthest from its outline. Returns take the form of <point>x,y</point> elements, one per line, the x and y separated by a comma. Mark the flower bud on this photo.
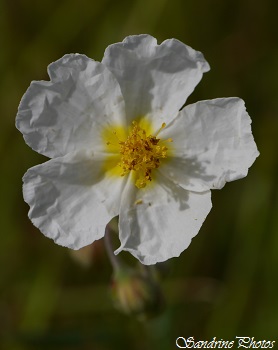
<point>136,293</point>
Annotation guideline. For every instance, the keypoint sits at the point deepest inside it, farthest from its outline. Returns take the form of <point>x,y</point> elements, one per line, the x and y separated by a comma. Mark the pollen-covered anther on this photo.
<point>141,153</point>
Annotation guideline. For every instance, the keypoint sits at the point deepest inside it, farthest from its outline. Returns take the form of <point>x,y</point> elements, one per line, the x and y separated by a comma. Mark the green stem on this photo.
<point>109,248</point>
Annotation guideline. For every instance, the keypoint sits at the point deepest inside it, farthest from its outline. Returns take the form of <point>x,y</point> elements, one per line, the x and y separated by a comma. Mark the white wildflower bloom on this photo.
<point>120,145</point>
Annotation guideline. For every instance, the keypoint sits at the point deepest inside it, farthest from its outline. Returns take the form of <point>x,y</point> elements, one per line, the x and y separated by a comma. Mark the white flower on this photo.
<point>120,145</point>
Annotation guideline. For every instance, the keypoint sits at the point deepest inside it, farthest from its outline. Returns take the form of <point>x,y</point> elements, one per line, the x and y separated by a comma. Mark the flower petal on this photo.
<point>158,222</point>
<point>66,113</point>
<point>70,198</point>
<point>213,144</point>
<point>155,79</point>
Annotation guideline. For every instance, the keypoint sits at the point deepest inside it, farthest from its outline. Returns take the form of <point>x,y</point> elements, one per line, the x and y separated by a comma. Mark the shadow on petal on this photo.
<point>188,172</point>
<point>174,191</point>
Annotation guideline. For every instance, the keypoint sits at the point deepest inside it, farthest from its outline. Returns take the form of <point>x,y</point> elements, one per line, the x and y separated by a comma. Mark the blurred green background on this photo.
<point>226,283</point>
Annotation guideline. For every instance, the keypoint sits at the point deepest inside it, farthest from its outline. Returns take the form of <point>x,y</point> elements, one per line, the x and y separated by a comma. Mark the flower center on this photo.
<point>142,154</point>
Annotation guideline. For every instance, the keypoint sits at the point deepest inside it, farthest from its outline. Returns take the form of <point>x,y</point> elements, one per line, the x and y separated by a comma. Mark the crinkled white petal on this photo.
<point>155,79</point>
<point>67,113</point>
<point>71,199</point>
<point>213,144</point>
<point>158,222</point>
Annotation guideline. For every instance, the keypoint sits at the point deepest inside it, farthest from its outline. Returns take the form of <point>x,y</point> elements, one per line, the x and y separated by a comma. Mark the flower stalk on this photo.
<point>114,260</point>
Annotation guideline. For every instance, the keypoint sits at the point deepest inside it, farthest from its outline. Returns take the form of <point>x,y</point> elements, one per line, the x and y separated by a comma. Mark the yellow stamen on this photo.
<point>142,154</point>
<point>161,128</point>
